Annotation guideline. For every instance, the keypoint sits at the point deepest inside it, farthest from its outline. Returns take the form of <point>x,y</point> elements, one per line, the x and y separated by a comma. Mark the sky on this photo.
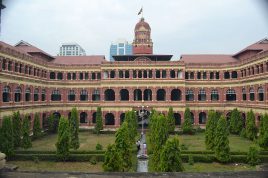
<point>177,26</point>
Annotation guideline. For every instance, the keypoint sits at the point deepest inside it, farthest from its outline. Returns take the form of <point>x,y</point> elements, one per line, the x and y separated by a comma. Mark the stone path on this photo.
<point>142,163</point>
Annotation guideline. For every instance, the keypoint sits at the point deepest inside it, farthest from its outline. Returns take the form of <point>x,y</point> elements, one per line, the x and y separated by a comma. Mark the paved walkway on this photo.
<point>142,163</point>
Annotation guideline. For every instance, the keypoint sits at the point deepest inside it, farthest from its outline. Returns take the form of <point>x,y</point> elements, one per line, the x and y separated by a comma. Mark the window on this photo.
<point>244,94</point>
<point>83,95</point>
<point>69,76</point>
<point>251,94</point>
<point>164,74</point>
<point>17,94</point>
<point>6,94</point>
<point>157,73</point>
<point>93,76</point>
<point>172,74</point>
<point>52,75</point>
<point>4,64</point>
<point>226,75</point>
<point>36,93</point>
<point>230,95</point>
<point>126,74</point>
<point>217,75</point>
<point>112,74</point>
<point>211,75</point>
<point>161,95</point>
<point>28,94</point>
<point>204,75</point>
<point>134,74</point>
<point>214,95</point>
<point>105,75</point>
<point>86,76</point>
<point>60,76</point>
<point>234,74</point>
<point>43,95</point>
<point>98,75</point>
<point>150,74</point>
<point>74,76</point>
<point>202,95</point>
<point>198,75</point>
<point>71,95</point>
<point>55,96</point>
<point>189,95</point>
<point>16,67</point>
<point>139,74</point>
<point>186,75</point>
<point>261,94</point>
<point>9,67</point>
<point>191,75</point>
<point>124,95</point>
<point>121,74</point>
<point>96,95</point>
<point>81,76</point>
<point>145,74</point>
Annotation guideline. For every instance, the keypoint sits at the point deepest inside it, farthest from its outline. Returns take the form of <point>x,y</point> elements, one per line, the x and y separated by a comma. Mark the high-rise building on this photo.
<point>71,49</point>
<point>121,47</point>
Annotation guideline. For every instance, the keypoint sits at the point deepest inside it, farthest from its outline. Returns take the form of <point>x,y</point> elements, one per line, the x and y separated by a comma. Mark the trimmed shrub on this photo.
<point>63,143</point>
<point>210,130</point>
<point>26,141</point>
<point>37,131</point>
<point>17,129</point>
<point>236,122</point>
<point>263,137</point>
<point>113,161</point>
<point>7,142</point>
<point>190,160</point>
<point>170,120</point>
<point>184,147</point>
<point>243,133</point>
<point>187,127</point>
<point>253,156</point>
<point>74,128</point>
<point>93,160</point>
<point>251,129</point>
<point>99,124</point>
<point>99,146</point>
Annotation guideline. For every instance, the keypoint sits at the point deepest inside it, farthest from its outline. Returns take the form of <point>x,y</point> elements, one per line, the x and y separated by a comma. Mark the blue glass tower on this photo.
<point>121,47</point>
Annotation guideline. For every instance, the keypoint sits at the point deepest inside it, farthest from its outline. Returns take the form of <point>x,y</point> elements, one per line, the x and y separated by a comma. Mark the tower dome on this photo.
<point>142,43</point>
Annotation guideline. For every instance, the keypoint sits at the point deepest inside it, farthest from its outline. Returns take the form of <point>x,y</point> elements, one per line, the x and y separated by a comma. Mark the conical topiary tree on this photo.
<point>123,146</point>
<point>170,158</point>
<point>131,119</point>
<point>74,129</point>
<point>113,162</point>
<point>263,137</point>
<point>17,128</point>
<point>210,130</point>
<point>26,141</point>
<point>222,149</point>
<point>236,122</point>
<point>99,124</point>
<point>7,139</point>
<point>37,131</point>
<point>251,129</point>
<point>253,156</point>
<point>51,126</point>
<point>171,120</point>
<point>187,126</point>
<point>63,141</point>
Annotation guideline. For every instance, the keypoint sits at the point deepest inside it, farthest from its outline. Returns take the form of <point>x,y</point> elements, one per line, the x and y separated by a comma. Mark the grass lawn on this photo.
<point>197,142</point>
<point>87,140</point>
<point>87,167</point>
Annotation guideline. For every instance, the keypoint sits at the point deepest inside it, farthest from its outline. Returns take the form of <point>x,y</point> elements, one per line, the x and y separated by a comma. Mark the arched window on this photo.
<point>179,74</point>
<point>60,76</point>
<point>175,95</point>
<point>261,94</point>
<point>109,95</point>
<point>164,74</point>
<point>4,64</point>
<point>52,75</point>
<point>191,75</point>
<point>230,95</point>
<point>157,73</point>
<point>83,95</point>
<point>17,94</point>
<point>140,74</point>
<point>211,75</point>
<point>226,75</point>
<point>161,95</point>
<point>147,95</point>
<point>55,95</point>
<point>36,94</point>
<point>124,95</point>
<point>234,74</point>
<point>134,74</point>
<point>214,95</point>
<point>9,67</point>
<point>189,95</point>
<point>27,94</point>
<point>126,74</point>
<point>202,95</point>
<point>96,95</point>
<point>150,74</point>
<point>177,117</point>
<point>71,95</point>
<point>83,117</point>
<point>43,94</point>
<point>251,94</point>
<point>192,117</point>
<point>202,118</point>
<point>109,119</point>
<point>204,75</point>
<point>112,74</point>
<point>172,74</point>
<point>121,74</point>
<point>137,95</point>
<point>244,94</point>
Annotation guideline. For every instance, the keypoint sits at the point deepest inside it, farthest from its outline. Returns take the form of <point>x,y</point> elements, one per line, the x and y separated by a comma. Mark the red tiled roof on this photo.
<point>78,60</point>
<point>261,45</point>
<point>28,48</point>
<point>208,58</point>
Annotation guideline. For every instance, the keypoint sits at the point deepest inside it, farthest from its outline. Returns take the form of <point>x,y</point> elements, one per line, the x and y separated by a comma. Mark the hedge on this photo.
<point>54,152</point>
<point>52,157</point>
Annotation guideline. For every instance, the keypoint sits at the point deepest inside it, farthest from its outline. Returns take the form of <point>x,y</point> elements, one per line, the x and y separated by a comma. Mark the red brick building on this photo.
<point>32,81</point>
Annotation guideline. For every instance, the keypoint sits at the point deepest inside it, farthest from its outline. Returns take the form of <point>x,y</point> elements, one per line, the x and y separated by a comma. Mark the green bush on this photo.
<point>187,127</point>
<point>253,156</point>
<point>184,147</point>
<point>74,127</point>
<point>63,140</point>
<point>99,146</point>
<point>6,134</point>
<point>251,129</point>
<point>37,131</point>
<point>99,124</point>
<point>243,133</point>
<point>93,160</point>
<point>190,160</point>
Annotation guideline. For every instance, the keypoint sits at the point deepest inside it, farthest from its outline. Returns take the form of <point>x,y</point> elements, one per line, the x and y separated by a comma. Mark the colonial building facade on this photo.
<point>32,81</point>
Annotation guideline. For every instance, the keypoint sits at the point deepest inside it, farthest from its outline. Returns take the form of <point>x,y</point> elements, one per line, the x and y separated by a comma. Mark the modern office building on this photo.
<point>32,81</point>
<point>121,47</point>
<point>71,49</point>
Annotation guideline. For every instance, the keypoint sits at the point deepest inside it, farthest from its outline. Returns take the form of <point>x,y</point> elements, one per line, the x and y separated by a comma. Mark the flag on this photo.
<point>140,12</point>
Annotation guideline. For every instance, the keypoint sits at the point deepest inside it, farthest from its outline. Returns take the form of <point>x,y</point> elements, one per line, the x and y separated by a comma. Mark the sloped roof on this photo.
<point>30,49</point>
<point>208,58</point>
<point>79,60</point>
<point>260,46</point>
